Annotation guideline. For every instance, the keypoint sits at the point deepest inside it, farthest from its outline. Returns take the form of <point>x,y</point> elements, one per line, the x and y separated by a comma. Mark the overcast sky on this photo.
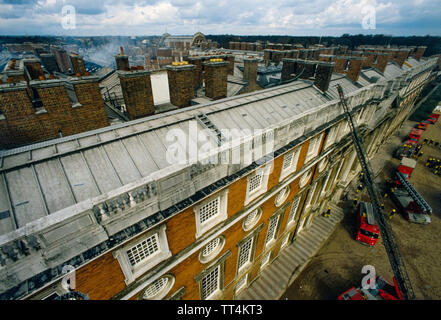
<point>242,17</point>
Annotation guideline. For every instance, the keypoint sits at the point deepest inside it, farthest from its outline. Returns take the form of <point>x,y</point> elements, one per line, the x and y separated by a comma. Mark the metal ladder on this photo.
<point>392,250</point>
<point>426,208</point>
<point>214,131</point>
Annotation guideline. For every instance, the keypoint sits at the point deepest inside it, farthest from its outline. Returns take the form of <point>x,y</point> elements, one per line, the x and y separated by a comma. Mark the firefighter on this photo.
<point>392,213</point>
<point>425,141</point>
<point>327,214</point>
<point>436,143</point>
<point>420,154</point>
<point>354,203</point>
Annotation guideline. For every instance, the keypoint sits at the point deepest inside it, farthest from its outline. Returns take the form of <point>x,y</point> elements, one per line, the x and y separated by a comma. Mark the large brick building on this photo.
<point>137,221</point>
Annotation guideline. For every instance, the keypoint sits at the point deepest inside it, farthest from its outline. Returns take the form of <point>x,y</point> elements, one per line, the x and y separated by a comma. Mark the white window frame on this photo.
<point>163,291</point>
<point>265,171</point>
<point>286,171</point>
<point>214,253</point>
<point>254,221</point>
<point>265,260</point>
<point>269,241</point>
<point>202,228</point>
<point>331,137</point>
<point>132,272</point>
<point>308,202</point>
<point>294,210</point>
<point>242,283</point>
<point>218,289</point>
<point>313,148</point>
<point>304,179</point>
<point>249,253</point>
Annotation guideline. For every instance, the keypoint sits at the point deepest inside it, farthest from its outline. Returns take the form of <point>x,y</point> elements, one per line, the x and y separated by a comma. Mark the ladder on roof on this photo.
<point>425,207</point>
<point>392,250</point>
<point>214,131</point>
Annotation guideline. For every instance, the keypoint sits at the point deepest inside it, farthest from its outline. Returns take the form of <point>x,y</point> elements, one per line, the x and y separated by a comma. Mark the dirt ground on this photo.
<point>337,266</point>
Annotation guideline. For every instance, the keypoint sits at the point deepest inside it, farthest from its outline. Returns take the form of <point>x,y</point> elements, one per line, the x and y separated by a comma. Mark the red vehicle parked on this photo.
<point>433,118</point>
<point>406,167</point>
<point>368,230</point>
<point>383,290</point>
<point>423,125</point>
<point>415,134</point>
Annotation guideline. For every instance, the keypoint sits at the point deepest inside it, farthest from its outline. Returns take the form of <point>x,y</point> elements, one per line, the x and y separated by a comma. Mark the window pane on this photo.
<point>209,210</point>
<point>210,283</point>
<point>143,250</point>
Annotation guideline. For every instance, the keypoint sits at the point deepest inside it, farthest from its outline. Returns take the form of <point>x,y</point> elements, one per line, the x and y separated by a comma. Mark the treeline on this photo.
<point>433,43</point>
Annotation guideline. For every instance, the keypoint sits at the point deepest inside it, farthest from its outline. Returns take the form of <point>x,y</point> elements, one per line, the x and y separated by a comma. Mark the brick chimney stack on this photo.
<point>306,69</point>
<point>401,56</point>
<point>122,61</point>
<point>197,62</point>
<point>382,60</point>
<point>77,62</point>
<point>420,52</point>
<point>216,78</point>
<point>34,68</point>
<point>230,59</point>
<point>288,69</point>
<point>354,69</point>
<point>137,91</point>
<point>323,75</point>
<point>181,83</point>
<point>250,73</point>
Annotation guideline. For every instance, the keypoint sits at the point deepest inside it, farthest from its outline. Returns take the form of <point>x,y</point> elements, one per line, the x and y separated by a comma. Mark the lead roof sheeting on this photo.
<point>105,159</point>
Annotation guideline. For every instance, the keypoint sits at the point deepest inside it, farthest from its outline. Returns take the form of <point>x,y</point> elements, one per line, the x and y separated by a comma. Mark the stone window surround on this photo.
<point>294,162</point>
<point>255,235</point>
<point>266,170</point>
<point>201,229</point>
<point>215,252</point>
<point>219,262</point>
<point>163,292</point>
<point>132,272</point>
<point>279,213</point>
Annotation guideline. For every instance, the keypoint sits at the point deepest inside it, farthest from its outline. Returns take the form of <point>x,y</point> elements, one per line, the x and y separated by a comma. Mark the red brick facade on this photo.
<point>24,124</point>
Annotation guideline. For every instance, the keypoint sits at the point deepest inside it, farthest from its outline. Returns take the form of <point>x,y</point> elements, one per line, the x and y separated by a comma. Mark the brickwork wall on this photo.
<point>78,65</point>
<point>354,69</point>
<point>181,85</point>
<point>138,95</point>
<point>216,80</point>
<point>24,126</point>
<point>34,69</point>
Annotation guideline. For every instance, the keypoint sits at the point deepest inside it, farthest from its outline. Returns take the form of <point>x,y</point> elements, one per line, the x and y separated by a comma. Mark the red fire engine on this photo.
<point>368,231</point>
<point>383,290</point>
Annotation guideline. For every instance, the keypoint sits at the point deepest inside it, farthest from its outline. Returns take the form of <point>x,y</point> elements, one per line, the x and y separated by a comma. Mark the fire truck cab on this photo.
<point>367,227</point>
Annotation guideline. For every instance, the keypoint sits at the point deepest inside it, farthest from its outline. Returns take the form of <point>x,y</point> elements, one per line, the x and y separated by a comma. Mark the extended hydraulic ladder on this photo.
<point>425,207</point>
<point>393,252</point>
